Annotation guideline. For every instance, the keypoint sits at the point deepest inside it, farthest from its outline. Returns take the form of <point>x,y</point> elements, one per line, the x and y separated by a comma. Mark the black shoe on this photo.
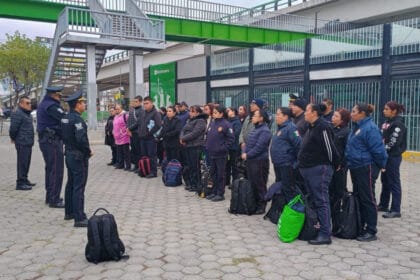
<point>193,190</point>
<point>210,196</point>
<point>151,175</point>
<point>217,198</point>
<point>57,205</point>
<point>390,215</point>
<point>119,167</point>
<point>110,163</point>
<point>382,209</point>
<point>68,217</point>
<point>23,188</point>
<point>30,184</point>
<point>320,240</point>
<point>82,223</point>
<point>366,237</point>
<point>127,169</point>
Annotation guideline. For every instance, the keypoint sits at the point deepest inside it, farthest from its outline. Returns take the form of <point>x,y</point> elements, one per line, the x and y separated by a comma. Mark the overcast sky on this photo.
<point>32,29</point>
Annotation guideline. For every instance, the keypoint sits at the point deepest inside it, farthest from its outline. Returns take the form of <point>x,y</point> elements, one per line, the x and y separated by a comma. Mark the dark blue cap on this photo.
<point>77,96</point>
<point>259,102</point>
<point>57,89</point>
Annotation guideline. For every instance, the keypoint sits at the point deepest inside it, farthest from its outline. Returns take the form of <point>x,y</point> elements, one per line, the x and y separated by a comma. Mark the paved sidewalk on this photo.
<point>172,234</point>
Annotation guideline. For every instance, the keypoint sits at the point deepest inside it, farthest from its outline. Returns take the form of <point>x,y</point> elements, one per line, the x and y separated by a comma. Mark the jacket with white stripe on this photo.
<point>318,146</point>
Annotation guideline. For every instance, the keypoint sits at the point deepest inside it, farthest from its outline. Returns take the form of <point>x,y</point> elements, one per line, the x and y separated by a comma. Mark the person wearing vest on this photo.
<point>394,133</point>
<point>21,134</point>
<point>78,152</point>
<point>49,115</point>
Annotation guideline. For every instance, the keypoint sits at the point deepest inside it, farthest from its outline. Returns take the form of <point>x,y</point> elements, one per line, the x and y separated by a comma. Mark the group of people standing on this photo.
<point>313,149</point>
<point>54,127</point>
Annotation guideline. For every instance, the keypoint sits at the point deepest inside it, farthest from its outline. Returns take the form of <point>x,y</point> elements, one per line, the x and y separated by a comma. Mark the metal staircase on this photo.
<point>79,28</point>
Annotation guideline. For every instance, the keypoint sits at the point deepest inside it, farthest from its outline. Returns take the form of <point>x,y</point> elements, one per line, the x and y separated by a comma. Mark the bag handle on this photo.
<point>295,200</point>
<point>97,210</point>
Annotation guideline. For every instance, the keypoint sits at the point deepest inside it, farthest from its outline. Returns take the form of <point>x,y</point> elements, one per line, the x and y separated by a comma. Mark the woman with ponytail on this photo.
<point>394,134</point>
<point>365,155</point>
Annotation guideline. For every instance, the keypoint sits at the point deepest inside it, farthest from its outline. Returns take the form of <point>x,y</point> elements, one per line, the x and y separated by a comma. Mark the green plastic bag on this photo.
<point>291,220</point>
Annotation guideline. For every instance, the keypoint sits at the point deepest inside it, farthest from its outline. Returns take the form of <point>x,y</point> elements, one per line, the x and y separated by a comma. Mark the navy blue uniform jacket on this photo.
<point>285,144</point>
<point>75,137</point>
<point>258,142</point>
<point>220,138</point>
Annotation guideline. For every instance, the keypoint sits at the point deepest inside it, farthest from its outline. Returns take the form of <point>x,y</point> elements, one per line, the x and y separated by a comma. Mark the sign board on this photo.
<point>162,79</point>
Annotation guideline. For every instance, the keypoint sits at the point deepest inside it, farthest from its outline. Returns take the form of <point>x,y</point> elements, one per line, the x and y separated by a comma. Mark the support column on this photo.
<point>136,80</point>
<point>386,70</point>
<point>92,88</point>
<point>306,72</point>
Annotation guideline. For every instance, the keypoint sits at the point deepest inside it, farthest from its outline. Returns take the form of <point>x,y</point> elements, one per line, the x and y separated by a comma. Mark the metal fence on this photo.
<point>277,96</point>
<point>354,44</point>
<point>230,97</point>
<point>405,36</point>
<point>230,62</point>
<point>407,92</point>
<point>289,54</point>
<point>346,94</point>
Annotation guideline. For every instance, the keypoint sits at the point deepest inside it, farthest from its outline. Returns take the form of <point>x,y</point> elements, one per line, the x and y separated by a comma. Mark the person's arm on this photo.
<point>55,112</point>
<point>80,133</point>
<point>376,148</point>
<point>15,123</point>
<point>262,143</point>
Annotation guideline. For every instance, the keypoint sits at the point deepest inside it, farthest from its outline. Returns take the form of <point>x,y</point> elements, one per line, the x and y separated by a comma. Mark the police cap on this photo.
<point>54,90</point>
<point>75,97</point>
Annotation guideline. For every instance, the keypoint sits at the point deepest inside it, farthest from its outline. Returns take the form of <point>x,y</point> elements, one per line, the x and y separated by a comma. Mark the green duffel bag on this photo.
<point>291,220</point>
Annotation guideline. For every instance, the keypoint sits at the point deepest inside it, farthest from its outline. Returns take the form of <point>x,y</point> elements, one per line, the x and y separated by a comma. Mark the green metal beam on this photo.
<point>179,30</point>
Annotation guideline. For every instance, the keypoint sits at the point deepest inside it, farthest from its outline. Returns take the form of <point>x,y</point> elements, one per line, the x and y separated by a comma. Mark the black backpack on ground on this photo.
<point>205,188</point>
<point>277,204</point>
<point>243,199</point>
<point>311,225</point>
<point>104,243</point>
<point>346,217</point>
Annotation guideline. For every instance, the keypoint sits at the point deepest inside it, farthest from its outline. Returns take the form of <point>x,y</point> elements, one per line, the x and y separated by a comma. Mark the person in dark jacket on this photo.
<point>285,145</point>
<point>192,139</point>
<point>183,113</point>
<point>365,156</point>
<point>298,108</point>
<point>256,156</point>
<point>231,169</point>
<point>220,138</point>
<point>338,185</point>
<point>109,137</point>
<point>78,152</point>
<point>49,115</point>
<point>149,124</point>
<point>394,133</point>
<point>317,159</point>
<point>170,134</point>
<point>21,134</point>
<point>132,130</point>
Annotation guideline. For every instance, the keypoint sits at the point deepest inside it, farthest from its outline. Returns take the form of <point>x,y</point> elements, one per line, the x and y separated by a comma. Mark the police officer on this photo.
<point>49,116</point>
<point>77,151</point>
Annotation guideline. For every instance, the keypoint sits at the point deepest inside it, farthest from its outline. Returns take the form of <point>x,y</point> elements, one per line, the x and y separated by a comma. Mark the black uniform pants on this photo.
<point>218,175</point>
<point>123,156</point>
<point>338,186</point>
<point>363,179</point>
<point>172,153</point>
<point>24,154</point>
<point>114,154</point>
<point>77,174</point>
<point>391,184</point>
<point>257,171</point>
<point>52,152</point>
<point>286,174</point>
<point>135,149</point>
<point>231,166</point>
<point>194,168</point>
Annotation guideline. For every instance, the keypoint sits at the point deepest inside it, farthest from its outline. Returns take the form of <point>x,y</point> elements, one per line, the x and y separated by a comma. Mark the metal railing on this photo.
<point>119,26</point>
<point>230,62</point>
<point>116,57</point>
<point>405,36</point>
<point>289,54</point>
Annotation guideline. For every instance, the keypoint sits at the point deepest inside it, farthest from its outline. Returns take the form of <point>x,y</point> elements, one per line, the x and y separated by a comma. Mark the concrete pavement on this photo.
<point>172,234</point>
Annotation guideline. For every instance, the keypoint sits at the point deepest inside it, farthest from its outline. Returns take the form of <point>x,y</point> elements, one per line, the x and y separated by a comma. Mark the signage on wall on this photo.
<point>162,79</point>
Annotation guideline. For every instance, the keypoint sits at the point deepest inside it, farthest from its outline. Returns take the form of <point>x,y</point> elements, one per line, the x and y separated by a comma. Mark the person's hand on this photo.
<point>383,170</point>
<point>129,133</point>
<point>13,142</point>
<point>243,156</point>
<point>338,168</point>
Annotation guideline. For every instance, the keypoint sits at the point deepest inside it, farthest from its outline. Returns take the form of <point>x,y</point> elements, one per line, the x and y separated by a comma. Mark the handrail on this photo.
<point>116,57</point>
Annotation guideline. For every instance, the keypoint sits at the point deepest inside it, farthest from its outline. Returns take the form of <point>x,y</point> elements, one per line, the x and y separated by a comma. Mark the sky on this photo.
<point>32,29</point>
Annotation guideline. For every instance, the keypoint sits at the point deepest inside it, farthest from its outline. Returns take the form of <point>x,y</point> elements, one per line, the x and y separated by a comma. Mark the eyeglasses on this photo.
<point>27,103</point>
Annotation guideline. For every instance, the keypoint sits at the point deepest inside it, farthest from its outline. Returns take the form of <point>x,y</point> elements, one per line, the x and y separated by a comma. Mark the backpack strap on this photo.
<point>97,210</point>
<point>93,251</point>
<point>112,253</point>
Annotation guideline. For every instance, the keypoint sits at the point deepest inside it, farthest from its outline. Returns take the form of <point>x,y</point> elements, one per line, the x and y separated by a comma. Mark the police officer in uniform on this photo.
<point>78,152</point>
<point>49,116</point>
